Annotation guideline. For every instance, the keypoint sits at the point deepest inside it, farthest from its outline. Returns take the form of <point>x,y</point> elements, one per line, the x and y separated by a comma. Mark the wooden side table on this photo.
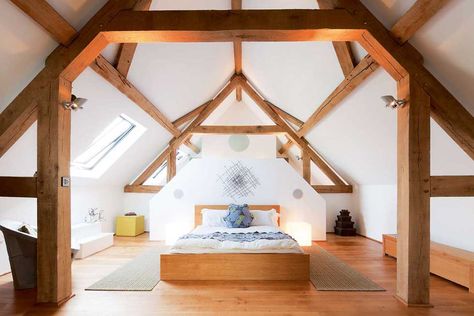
<point>130,225</point>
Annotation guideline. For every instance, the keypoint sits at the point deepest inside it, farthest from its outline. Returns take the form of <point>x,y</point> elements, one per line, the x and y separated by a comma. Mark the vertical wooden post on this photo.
<point>54,200</point>
<point>306,166</point>
<point>171,169</point>
<point>413,180</point>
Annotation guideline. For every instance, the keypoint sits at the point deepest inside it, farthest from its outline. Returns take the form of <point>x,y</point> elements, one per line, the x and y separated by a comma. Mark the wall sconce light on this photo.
<point>391,102</point>
<point>75,103</point>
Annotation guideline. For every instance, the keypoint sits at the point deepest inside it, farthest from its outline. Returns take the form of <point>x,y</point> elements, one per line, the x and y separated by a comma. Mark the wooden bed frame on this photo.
<point>234,266</point>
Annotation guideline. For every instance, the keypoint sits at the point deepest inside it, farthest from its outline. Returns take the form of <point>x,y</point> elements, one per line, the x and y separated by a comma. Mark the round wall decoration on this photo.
<point>239,143</point>
<point>178,194</point>
<point>297,194</point>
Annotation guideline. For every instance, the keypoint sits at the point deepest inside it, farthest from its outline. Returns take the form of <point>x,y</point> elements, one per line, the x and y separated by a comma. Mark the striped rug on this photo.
<point>140,274</point>
<point>328,273</point>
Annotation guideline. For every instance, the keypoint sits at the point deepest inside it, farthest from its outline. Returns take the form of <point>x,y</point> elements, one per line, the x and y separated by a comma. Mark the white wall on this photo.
<point>200,184</point>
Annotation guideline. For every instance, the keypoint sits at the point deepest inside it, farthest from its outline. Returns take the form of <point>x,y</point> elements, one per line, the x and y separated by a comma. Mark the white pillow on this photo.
<point>265,218</point>
<point>213,218</point>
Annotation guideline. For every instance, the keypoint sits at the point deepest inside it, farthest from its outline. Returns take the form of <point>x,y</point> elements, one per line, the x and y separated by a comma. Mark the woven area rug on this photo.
<point>328,273</point>
<point>140,274</point>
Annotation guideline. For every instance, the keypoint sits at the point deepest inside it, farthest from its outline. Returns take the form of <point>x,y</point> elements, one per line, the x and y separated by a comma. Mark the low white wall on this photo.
<point>452,219</point>
<point>107,198</point>
<point>199,183</point>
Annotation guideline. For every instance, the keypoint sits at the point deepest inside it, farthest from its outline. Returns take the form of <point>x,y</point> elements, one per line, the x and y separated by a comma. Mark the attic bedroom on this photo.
<point>236,157</point>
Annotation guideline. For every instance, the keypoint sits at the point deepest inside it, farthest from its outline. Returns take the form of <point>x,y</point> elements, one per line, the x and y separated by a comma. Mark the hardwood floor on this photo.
<point>219,297</point>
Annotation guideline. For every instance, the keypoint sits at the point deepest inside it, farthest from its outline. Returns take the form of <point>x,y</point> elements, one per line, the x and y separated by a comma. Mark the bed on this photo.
<point>192,259</point>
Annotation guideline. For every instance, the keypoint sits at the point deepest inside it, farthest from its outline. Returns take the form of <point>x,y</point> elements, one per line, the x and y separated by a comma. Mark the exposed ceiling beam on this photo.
<point>102,67</point>
<point>241,129</point>
<point>142,188</point>
<point>148,172</point>
<point>246,25</point>
<point>452,186</point>
<point>343,49</point>
<point>285,115</point>
<point>237,5</point>
<point>48,18</point>
<point>18,187</point>
<point>345,56</point>
<point>358,75</point>
<point>302,143</point>
<point>127,50</point>
<point>341,188</point>
<point>190,115</point>
<point>419,13</point>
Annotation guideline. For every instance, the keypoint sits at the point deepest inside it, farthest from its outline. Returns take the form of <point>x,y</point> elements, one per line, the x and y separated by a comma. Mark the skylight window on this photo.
<point>160,175</point>
<point>107,147</point>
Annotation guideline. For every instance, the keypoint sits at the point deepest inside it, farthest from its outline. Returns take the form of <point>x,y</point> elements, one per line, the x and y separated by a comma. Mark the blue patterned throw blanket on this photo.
<point>239,237</point>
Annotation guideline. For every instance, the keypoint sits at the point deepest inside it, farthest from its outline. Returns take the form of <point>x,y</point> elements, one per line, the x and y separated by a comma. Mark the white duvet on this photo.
<point>199,245</point>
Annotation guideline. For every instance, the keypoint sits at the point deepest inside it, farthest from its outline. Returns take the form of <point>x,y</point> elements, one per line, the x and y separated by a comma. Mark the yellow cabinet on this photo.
<point>130,225</point>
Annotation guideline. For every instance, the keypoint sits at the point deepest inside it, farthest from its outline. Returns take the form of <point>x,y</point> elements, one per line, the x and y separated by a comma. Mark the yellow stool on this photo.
<point>130,225</point>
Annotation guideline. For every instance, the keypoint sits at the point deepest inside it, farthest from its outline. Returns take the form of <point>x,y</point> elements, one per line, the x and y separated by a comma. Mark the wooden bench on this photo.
<point>451,263</point>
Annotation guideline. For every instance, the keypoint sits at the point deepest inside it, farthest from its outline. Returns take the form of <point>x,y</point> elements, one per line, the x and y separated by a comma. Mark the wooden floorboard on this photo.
<point>259,297</point>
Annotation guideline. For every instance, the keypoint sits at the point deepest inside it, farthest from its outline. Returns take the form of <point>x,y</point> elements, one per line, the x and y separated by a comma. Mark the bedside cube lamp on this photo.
<point>175,230</point>
<point>301,231</point>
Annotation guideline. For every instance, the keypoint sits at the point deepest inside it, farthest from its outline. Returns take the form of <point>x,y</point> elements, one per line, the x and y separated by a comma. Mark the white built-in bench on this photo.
<point>451,263</point>
<point>88,238</point>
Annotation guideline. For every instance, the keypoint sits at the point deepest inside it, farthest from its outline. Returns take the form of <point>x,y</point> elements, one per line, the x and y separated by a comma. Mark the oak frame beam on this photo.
<point>343,50</point>
<point>227,26</point>
<point>239,129</point>
<point>237,5</point>
<point>306,162</point>
<point>54,200</point>
<point>103,68</point>
<point>49,19</point>
<point>333,188</point>
<point>148,172</point>
<point>142,188</point>
<point>413,194</point>
<point>445,186</point>
<point>190,115</point>
<point>18,187</point>
<point>285,115</point>
<point>419,13</point>
<point>127,50</point>
<point>171,167</point>
<point>362,71</point>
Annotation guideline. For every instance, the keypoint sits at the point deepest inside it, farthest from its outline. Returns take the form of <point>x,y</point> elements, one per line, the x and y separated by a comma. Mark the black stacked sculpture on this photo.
<point>344,225</point>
